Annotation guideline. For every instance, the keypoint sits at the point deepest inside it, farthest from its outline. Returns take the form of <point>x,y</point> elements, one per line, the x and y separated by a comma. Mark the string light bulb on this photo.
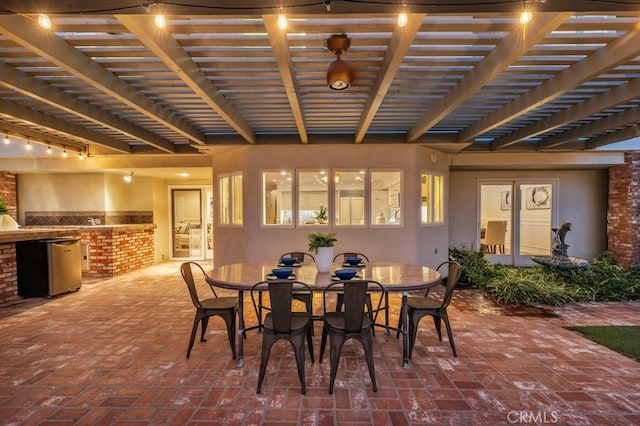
<point>403,19</point>
<point>49,150</point>
<point>6,139</point>
<point>28,146</point>
<point>64,152</point>
<point>80,155</point>
<point>282,20</point>
<point>161,21</point>
<point>526,17</point>
<point>44,21</point>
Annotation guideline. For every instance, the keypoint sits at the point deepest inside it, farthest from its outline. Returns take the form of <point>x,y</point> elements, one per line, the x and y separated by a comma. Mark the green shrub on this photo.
<point>529,286</point>
<point>602,280</point>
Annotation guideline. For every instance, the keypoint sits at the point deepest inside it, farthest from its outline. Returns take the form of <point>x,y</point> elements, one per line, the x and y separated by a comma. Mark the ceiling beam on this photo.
<point>39,119</point>
<point>47,45</point>
<point>167,49</point>
<point>399,45</point>
<point>39,137</point>
<point>520,40</point>
<point>37,89</point>
<point>628,116</point>
<point>612,98</point>
<point>280,46</point>
<point>628,132</point>
<point>606,58</point>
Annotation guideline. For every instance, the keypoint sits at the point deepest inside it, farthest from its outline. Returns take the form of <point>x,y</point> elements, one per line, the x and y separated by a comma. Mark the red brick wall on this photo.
<point>624,211</point>
<point>9,192</point>
<point>116,252</point>
<point>8,272</point>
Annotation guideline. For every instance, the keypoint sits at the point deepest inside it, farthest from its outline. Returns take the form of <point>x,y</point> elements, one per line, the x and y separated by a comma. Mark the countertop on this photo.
<point>28,233</point>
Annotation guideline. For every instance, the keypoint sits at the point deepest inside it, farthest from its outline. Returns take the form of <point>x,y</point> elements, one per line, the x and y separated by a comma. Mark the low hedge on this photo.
<point>602,280</point>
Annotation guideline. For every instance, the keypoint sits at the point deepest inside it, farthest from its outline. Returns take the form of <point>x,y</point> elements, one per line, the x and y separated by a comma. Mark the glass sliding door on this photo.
<point>495,223</point>
<point>515,219</point>
<point>191,231</point>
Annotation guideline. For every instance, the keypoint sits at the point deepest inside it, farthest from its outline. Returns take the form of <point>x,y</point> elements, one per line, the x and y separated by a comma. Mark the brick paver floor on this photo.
<point>114,353</point>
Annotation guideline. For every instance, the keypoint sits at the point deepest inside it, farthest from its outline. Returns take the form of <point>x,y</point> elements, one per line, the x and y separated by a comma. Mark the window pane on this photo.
<point>313,196</point>
<point>349,197</point>
<point>277,197</point>
<point>426,203</point>
<point>223,199</point>
<point>438,199</point>
<point>236,199</point>
<point>386,198</point>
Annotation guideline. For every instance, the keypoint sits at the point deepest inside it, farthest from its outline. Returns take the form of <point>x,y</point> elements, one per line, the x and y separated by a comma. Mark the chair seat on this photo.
<point>423,303</point>
<point>220,302</point>
<point>298,321</point>
<point>336,320</point>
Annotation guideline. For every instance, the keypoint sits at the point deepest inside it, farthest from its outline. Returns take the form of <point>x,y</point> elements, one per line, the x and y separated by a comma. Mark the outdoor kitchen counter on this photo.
<point>29,234</point>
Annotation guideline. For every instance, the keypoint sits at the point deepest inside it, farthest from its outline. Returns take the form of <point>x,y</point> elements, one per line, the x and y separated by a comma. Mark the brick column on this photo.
<point>624,211</point>
<point>9,192</point>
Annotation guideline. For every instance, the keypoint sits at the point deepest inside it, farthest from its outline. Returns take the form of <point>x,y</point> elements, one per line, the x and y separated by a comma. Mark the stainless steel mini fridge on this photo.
<point>48,267</point>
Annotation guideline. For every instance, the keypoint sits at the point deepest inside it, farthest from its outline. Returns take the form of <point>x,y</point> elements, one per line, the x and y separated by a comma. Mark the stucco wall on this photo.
<point>582,200</point>
<point>410,242</point>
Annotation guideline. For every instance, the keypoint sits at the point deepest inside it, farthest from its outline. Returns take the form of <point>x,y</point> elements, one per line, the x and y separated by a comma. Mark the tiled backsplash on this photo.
<point>70,218</point>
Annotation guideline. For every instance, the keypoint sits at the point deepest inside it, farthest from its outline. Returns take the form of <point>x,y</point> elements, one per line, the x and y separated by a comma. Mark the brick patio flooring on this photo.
<point>114,353</point>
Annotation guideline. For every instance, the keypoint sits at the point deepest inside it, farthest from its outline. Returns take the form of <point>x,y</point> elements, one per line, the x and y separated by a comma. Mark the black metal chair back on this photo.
<point>224,307</point>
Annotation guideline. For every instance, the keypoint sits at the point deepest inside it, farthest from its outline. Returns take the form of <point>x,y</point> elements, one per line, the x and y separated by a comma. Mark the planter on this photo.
<point>7,222</point>
<point>324,259</point>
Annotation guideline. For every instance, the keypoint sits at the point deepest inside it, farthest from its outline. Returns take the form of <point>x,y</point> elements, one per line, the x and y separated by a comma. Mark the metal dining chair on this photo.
<point>352,323</point>
<point>281,322</point>
<point>419,307</point>
<point>224,307</point>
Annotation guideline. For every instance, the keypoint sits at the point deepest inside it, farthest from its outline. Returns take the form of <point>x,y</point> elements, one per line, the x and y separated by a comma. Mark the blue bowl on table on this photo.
<point>288,261</point>
<point>345,274</point>
<point>281,272</point>
<point>353,261</point>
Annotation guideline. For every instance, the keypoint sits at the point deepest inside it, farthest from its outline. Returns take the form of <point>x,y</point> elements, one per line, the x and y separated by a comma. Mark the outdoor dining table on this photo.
<point>395,277</point>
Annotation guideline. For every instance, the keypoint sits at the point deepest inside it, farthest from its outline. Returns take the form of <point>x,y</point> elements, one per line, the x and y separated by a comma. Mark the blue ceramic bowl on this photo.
<point>345,274</point>
<point>288,261</point>
<point>353,261</point>
<point>281,272</point>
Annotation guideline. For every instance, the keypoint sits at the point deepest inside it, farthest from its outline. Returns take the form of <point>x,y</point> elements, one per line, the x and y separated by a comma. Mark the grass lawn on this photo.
<point>622,339</point>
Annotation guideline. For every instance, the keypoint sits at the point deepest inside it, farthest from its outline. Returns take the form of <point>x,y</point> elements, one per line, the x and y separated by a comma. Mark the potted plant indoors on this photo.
<point>322,243</point>
<point>321,215</point>
<point>6,221</point>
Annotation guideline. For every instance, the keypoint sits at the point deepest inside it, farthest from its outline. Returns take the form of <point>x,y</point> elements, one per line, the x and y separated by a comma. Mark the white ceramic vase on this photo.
<point>324,259</point>
<point>7,222</point>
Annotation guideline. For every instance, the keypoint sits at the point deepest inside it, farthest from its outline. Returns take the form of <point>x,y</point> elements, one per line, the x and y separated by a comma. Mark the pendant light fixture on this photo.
<point>340,74</point>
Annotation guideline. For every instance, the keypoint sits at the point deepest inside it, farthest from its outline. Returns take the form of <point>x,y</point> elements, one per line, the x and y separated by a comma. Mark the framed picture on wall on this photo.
<point>505,200</point>
<point>538,197</point>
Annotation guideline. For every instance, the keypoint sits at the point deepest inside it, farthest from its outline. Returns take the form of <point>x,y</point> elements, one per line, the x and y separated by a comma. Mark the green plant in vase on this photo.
<point>321,239</point>
<point>4,207</point>
<point>322,243</point>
